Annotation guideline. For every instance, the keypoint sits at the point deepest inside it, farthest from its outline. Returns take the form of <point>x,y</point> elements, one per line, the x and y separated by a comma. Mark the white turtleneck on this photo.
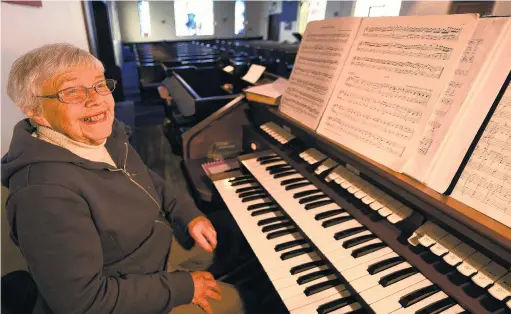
<point>97,153</point>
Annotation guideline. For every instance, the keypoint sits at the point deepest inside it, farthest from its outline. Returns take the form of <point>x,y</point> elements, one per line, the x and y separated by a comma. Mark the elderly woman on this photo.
<point>94,224</point>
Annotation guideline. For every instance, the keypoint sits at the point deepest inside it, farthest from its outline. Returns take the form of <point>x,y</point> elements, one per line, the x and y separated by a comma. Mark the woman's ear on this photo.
<point>37,117</point>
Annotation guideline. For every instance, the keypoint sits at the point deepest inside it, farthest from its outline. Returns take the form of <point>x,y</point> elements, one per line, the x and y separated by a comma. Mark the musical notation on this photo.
<point>306,72</point>
<point>400,65</point>
<point>414,95</point>
<point>413,32</point>
<point>341,125</point>
<point>308,85</point>
<point>485,183</point>
<point>320,59</point>
<point>340,37</point>
<point>410,68</point>
<point>427,51</point>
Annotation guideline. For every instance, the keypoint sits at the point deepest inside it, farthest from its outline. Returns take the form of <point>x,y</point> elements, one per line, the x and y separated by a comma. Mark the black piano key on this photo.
<point>279,233</point>
<point>437,307</point>
<point>276,226</point>
<point>259,212</point>
<point>242,177</point>
<point>335,305</point>
<point>491,304</point>
<point>263,158</point>
<point>304,267</point>
<point>250,188</point>
<point>305,193</point>
<point>241,182</point>
<point>295,253</point>
<point>284,174</point>
<point>358,240</point>
<point>399,275</point>
<point>289,244</point>
<point>348,233</point>
<point>250,193</point>
<point>260,205</point>
<point>291,181</point>
<point>321,286</point>
<point>254,197</point>
<point>270,161</point>
<point>457,278</point>
<point>318,204</point>
<point>335,221</point>
<point>329,213</point>
<point>368,249</point>
<point>312,198</point>
<point>280,170</point>
<point>297,185</point>
<point>473,290</point>
<point>385,264</point>
<point>267,221</point>
<point>418,295</point>
<point>313,276</point>
<point>270,168</point>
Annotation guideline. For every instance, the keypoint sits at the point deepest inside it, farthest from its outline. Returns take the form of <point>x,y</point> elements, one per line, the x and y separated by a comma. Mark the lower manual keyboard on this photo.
<point>383,279</point>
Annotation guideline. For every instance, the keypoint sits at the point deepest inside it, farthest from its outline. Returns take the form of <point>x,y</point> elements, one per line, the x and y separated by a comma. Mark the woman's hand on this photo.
<point>203,232</point>
<point>205,287</point>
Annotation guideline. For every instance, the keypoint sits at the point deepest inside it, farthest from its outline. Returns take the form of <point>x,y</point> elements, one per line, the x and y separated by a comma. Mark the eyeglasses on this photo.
<point>78,94</point>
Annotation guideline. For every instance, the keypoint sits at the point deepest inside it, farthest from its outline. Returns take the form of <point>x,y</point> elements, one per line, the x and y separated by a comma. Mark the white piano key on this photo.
<point>502,288</point>
<point>340,258</point>
<point>369,281</point>
<point>312,307</point>
<point>367,200</point>
<point>339,180</point>
<point>358,271</point>
<point>282,269</point>
<point>302,300</point>
<point>291,280</point>
<point>346,184</point>
<point>385,211</point>
<point>298,290</point>
<point>360,194</point>
<point>399,215</point>
<point>423,303</point>
<point>391,303</point>
<point>350,262</point>
<point>458,254</point>
<point>473,264</point>
<point>489,274</point>
<point>419,233</point>
<point>444,245</point>
<point>432,235</point>
<point>376,205</point>
<point>379,292</point>
<point>454,310</point>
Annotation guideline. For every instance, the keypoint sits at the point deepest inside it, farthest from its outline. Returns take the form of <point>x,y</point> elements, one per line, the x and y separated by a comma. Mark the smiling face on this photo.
<point>89,122</point>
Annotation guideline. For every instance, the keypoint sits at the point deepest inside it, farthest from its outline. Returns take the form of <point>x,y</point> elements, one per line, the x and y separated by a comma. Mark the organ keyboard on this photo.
<point>336,233</point>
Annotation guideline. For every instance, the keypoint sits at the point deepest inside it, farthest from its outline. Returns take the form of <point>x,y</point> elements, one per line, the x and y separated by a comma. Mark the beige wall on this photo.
<point>25,28</point>
<point>424,7</point>
<point>502,8</point>
<point>163,24</point>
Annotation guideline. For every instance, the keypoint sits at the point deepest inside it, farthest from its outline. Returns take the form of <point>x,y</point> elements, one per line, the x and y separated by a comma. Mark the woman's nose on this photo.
<point>93,99</point>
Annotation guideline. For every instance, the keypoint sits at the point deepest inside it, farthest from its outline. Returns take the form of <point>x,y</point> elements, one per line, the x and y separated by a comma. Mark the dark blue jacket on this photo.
<point>95,238</point>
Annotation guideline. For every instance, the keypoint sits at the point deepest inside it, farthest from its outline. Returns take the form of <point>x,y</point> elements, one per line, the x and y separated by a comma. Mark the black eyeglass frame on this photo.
<point>58,97</point>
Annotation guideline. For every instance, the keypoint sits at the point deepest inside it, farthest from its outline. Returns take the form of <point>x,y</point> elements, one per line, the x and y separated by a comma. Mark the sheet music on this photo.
<point>455,95</point>
<point>485,183</point>
<point>391,81</point>
<point>254,73</point>
<point>319,61</point>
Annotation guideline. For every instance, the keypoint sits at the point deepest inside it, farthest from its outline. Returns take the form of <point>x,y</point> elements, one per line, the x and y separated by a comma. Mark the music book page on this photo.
<point>254,73</point>
<point>473,65</point>
<point>319,61</point>
<point>393,76</point>
<point>485,183</point>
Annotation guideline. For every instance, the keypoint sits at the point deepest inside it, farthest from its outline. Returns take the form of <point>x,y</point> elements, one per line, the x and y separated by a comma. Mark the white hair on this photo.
<point>30,71</point>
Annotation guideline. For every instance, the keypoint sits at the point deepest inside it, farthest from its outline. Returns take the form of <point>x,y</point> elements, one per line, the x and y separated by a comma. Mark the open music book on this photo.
<point>409,92</point>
